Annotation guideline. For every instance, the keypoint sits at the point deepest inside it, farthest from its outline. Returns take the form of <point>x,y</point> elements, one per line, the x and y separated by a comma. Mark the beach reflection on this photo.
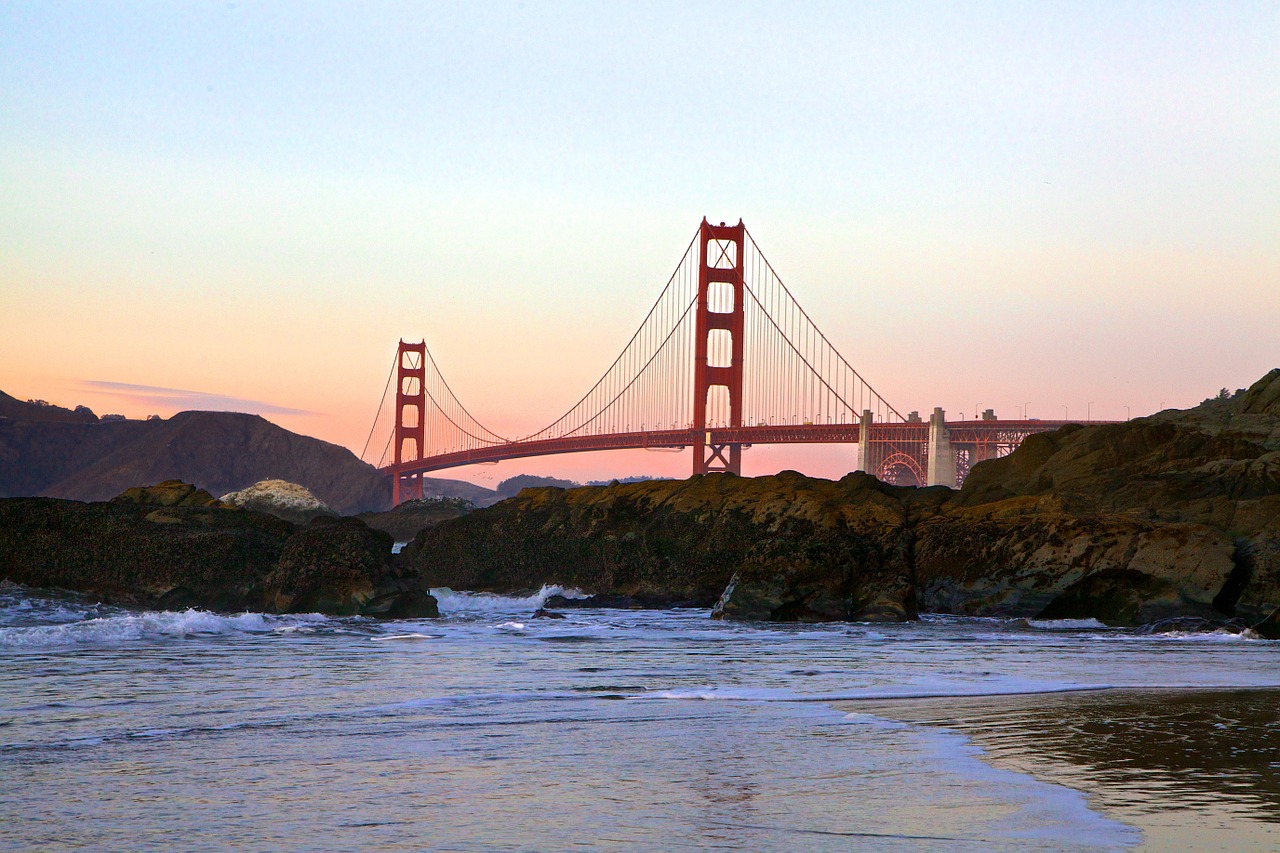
<point>1191,768</point>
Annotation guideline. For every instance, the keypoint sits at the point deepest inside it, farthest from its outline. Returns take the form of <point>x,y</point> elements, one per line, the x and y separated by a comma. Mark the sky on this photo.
<point>1049,209</point>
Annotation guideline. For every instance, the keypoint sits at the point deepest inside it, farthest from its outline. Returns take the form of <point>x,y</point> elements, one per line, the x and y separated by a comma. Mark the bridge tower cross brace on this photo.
<point>719,263</point>
<point>411,423</point>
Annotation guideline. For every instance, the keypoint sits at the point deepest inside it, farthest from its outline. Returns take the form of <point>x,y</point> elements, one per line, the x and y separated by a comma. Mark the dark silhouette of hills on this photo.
<point>511,486</point>
<point>39,410</point>
<point>53,452</point>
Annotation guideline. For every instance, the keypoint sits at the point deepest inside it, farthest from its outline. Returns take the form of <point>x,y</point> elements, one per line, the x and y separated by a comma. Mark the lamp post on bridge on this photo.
<point>1065,416</point>
<point>1026,410</point>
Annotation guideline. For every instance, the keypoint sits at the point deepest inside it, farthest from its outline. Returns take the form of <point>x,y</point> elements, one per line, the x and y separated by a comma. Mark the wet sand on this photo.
<point>1193,769</point>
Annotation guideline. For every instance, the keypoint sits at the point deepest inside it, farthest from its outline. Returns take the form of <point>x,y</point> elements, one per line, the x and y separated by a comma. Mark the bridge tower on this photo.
<point>719,281</point>
<point>411,424</point>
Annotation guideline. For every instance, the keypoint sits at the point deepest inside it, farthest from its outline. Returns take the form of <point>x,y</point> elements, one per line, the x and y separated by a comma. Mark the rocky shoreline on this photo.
<point>173,547</point>
<point>1174,516</point>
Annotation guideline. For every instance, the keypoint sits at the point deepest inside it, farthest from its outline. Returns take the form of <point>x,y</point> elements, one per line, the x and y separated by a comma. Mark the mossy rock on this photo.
<point>167,493</point>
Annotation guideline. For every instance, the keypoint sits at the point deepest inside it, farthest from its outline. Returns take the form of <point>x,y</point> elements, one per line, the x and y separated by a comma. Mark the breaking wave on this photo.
<point>124,627</point>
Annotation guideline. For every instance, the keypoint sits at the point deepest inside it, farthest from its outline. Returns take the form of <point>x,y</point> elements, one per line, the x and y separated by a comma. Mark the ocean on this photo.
<point>489,729</point>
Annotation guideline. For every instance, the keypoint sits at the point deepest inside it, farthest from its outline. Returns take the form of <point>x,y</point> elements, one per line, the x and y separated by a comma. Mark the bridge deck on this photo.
<point>962,432</point>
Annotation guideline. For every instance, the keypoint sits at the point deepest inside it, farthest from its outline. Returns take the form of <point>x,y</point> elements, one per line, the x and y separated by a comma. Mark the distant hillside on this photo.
<point>218,451</point>
<point>511,486</point>
<point>39,410</point>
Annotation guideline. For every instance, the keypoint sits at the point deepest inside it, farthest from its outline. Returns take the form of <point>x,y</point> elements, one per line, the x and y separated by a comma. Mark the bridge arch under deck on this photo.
<point>901,469</point>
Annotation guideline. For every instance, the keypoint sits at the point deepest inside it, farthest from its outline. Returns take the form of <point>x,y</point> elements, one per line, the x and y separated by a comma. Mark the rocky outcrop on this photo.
<point>168,493</point>
<point>1269,628</point>
<point>137,554</point>
<point>343,567</point>
<point>1129,523</point>
<point>178,553</point>
<point>282,499</point>
<point>512,486</point>
<point>1029,557</point>
<point>808,549</point>
<point>406,520</point>
<point>1177,514</point>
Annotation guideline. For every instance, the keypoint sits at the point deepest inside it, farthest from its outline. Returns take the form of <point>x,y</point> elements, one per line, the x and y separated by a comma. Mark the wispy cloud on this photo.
<point>182,399</point>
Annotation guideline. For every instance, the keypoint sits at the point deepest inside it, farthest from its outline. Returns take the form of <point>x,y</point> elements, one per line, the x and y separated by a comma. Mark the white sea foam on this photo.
<point>455,603</point>
<point>1222,635</point>
<point>153,625</point>
<point>1065,624</point>
<point>929,688</point>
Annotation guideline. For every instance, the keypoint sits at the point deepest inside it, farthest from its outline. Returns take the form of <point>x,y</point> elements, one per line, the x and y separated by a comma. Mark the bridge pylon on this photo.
<point>411,418</point>
<point>720,279</point>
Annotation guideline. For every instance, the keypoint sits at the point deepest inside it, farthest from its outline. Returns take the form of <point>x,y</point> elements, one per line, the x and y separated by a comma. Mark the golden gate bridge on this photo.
<point>726,358</point>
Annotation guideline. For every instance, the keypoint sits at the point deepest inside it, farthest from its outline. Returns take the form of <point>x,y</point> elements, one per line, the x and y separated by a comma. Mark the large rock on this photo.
<point>802,549</point>
<point>167,493</point>
<point>179,556</point>
<point>1269,628</point>
<point>342,566</point>
<point>1028,557</point>
<point>280,498</point>
<point>137,554</point>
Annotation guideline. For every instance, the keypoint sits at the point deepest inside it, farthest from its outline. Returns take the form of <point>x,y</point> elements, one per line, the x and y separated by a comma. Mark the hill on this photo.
<point>93,460</point>
<point>511,486</point>
<point>39,410</point>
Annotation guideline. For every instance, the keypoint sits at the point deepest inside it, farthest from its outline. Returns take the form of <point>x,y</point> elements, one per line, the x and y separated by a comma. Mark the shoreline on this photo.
<point>1191,768</point>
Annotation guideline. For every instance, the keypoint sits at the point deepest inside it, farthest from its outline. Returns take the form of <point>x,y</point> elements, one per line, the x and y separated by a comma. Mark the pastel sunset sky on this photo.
<point>1056,207</point>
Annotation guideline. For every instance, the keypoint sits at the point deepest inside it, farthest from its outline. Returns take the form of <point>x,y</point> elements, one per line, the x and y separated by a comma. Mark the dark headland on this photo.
<point>51,451</point>
<point>1173,516</point>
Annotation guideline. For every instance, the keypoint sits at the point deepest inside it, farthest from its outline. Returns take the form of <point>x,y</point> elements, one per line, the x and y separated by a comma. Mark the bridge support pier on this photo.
<point>864,444</point>
<point>942,453</point>
<point>406,487</point>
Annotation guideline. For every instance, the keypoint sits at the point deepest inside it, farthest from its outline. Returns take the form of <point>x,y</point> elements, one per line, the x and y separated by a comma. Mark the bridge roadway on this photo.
<point>885,440</point>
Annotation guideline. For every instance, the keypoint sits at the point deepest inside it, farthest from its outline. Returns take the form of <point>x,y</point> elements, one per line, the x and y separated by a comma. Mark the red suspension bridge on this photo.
<point>726,358</point>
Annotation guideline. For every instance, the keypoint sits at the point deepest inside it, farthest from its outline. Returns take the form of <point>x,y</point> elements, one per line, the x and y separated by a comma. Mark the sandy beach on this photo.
<point>1193,769</point>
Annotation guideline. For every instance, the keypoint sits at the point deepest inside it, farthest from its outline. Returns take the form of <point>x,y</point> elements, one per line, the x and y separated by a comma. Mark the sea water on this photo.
<point>490,729</point>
